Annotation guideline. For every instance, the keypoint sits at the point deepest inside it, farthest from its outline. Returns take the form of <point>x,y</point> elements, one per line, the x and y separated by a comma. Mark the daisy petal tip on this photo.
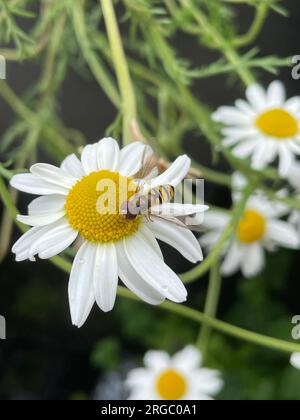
<point>13,181</point>
<point>77,322</point>
<point>106,307</point>
<point>106,310</point>
<point>183,298</point>
<point>19,218</point>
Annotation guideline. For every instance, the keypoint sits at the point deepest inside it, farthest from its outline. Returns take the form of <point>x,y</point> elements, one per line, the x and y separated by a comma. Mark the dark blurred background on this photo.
<point>44,357</point>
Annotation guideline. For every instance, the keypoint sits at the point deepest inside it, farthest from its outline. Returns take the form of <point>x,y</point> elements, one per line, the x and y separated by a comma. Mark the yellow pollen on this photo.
<point>171,385</point>
<point>252,227</point>
<point>278,123</point>
<point>93,207</point>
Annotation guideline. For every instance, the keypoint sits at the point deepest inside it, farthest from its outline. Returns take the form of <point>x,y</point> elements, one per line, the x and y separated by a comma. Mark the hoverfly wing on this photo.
<point>149,163</point>
<point>176,222</point>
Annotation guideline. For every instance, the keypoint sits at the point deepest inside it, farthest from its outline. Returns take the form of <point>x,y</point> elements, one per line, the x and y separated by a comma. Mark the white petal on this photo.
<point>181,239</point>
<point>42,219</point>
<point>150,238</point>
<point>257,97</point>
<point>260,157</point>
<point>132,156</point>
<point>215,219</point>
<point>89,158</point>
<point>269,209</point>
<point>108,154</point>
<point>209,240</point>
<point>53,240</point>
<point>35,185</point>
<point>73,166</point>
<point>295,360</point>
<point>282,233</point>
<point>230,115</point>
<point>23,244</point>
<point>238,181</point>
<point>253,261</point>
<point>189,358</point>
<point>245,107</point>
<point>208,381</point>
<point>47,204</point>
<point>141,394</point>
<point>294,146</point>
<point>286,161</point>
<point>293,105</point>
<point>53,175</point>
<point>276,94</point>
<point>134,281</point>
<point>156,360</point>
<point>81,290</point>
<point>245,149</point>
<point>238,133</point>
<point>106,276</point>
<point>174,174</point>
<point>294,176</point>
<point>232,260</point>
<point>153,270</point>
<point>178,210</point>
<point>138,378</point>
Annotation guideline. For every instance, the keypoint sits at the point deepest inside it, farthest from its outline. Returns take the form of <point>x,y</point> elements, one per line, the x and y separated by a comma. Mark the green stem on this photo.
<point>121,69</point>
<point>223,327</point>
<point>102,77</point>
<point>211,306</point>
<point>212,175</point>
<point>7,200</point>
<point>257,24</point>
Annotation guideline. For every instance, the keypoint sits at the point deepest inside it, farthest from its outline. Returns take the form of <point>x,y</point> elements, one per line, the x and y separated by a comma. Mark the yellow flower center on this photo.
<point>93,207</point>
<point>171,385</point>
<point>251,227</point>
<point>278,123</point>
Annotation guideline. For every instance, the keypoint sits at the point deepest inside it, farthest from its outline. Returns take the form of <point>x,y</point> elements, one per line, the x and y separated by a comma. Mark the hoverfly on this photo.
<point>146,200</point>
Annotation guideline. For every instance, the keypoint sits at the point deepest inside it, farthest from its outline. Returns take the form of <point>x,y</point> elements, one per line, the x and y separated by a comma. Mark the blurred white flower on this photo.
<point>259,229</point>
<point>174,378</point>
<point>295,360</point>
<point>264,127</point>
<point>112,246</point>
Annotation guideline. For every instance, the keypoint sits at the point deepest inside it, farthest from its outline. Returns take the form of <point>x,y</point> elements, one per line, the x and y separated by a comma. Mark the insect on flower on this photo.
<point>112,246</point>
<point>147,199</point>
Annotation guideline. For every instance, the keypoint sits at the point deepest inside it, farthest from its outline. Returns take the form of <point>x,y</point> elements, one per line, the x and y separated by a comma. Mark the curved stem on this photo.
<point>211,306</point>
<point>121,69</point>
<point>212,175</point>
<point>223,327</point>
<point>257,24</point>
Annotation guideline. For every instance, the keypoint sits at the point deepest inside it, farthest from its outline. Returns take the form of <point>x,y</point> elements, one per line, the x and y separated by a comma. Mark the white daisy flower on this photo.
<point>259,229</point>
<point>294,180</point>
<point>174,378</point>
<point>295,360</point>
<point>265,126</point>
<point>111,246</point>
